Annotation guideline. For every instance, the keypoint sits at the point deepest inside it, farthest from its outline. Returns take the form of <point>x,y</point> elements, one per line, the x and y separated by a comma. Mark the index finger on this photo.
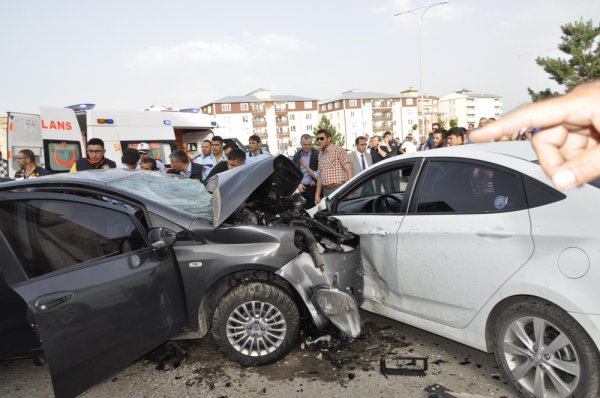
<point>542,114</point>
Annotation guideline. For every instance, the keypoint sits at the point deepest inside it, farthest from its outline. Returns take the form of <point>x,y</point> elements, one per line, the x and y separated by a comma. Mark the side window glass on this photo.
<point>381,193</point>
<point>539,194</point>
<point>467,188</point>
<point>50,235</point>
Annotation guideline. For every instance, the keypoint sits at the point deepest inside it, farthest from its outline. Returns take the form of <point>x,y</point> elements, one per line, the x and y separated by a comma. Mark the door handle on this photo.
<point>496,233</point>
<point>48,301</point>
<point>378,232</point>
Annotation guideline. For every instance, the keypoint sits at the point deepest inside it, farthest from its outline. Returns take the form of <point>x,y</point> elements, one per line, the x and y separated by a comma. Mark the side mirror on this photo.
<point>161,237</point>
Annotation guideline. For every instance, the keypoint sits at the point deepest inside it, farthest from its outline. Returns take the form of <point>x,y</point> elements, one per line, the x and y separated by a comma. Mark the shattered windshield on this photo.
<point>183,194</point>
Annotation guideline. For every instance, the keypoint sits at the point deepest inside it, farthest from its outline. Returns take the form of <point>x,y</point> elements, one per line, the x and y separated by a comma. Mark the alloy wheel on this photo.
<point>541,357</point>
<point>256,328</point>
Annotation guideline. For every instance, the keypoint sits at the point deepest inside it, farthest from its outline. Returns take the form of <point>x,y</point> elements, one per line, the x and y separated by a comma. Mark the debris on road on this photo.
<point>404,366</point>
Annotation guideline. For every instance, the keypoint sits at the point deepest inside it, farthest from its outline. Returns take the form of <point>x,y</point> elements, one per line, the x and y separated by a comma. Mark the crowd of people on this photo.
<point>566,140</point>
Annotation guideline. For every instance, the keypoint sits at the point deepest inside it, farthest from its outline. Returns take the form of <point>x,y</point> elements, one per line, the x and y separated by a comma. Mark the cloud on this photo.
<point>246,49</point>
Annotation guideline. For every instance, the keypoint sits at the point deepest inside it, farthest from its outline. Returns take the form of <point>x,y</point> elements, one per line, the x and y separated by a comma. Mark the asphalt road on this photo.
<point>337,367</point>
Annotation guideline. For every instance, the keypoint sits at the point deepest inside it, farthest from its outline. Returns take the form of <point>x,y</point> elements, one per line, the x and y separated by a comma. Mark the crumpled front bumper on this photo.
<point>337,301</point>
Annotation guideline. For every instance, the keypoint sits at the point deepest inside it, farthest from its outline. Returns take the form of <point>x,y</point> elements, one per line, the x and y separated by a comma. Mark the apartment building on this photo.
<point>356,112</point>
<point>277,119</point>
<point>429,110</point>
<point>467,107</point>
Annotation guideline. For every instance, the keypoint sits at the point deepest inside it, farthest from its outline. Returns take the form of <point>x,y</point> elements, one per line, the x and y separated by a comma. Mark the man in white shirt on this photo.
<point>408,146</point>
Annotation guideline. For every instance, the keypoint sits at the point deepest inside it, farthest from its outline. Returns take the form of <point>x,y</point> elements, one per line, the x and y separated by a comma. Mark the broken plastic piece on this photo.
<point>326,339</point>
<point>404,366</point>
<point>438,391</point>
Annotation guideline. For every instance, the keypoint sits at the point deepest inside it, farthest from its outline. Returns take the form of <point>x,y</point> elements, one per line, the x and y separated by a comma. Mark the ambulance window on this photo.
<point>61,155</point>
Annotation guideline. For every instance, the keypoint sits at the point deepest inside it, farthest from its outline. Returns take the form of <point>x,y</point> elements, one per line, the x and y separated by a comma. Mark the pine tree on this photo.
<point>580,42</point>
<point>336,138</point>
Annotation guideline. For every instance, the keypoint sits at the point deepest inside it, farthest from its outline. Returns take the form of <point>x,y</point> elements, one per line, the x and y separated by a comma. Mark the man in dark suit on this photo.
<point>181,165</point>
<point>307,160</point>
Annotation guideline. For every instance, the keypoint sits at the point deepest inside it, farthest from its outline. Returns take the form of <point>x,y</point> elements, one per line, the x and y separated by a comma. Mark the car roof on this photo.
<point>517,149</point>
<point>96,178</point>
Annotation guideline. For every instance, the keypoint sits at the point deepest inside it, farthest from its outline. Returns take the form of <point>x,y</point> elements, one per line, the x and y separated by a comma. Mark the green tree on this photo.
<point>580,44</point>
<point>442,123</point>
<point>415,127</point>
<point>337,139</point>
<point>453,123</point>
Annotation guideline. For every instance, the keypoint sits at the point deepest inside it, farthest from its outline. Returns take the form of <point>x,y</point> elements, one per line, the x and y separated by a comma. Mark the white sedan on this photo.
<point>473,243</point>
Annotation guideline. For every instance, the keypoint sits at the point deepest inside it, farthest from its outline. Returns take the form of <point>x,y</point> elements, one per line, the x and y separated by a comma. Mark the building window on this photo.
<point>409,101</point>
<point>209,109</point>
<point>257,108</point>
<point>291,105</point>
<point>226,120</point>
<point>309,127</point>
<point>307,104</point>
<point>245,119</point>
<point>309,116</point>
<point>329,106</point>
<point>293,128</point>
<point>352,102</point>
<point>226,107</point>
<point>243,107</point>
<point>323,108</point>
<point>351,114</point>
<point>337,104</point>
<point>292,116</point>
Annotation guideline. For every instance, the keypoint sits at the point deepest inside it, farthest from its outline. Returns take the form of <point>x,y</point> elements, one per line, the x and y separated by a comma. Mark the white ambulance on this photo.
<point>53,136</point>
<point>57,136</point>
<point>164,131</point>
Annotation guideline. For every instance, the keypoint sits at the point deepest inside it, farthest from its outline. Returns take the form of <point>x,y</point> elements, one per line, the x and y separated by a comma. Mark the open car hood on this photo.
<point>273,177</point>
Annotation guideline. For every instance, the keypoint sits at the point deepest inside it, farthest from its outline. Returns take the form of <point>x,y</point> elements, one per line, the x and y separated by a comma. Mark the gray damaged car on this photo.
<point>98,268</point>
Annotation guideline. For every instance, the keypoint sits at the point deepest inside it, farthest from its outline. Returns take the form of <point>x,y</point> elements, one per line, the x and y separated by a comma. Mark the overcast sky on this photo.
<point>129,54</point>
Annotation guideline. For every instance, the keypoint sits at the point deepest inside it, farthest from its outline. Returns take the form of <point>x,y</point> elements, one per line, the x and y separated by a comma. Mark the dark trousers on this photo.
<point>309,195</point>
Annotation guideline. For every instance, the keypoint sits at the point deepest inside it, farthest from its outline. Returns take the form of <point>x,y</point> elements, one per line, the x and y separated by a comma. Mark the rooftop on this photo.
<point>260,95</point>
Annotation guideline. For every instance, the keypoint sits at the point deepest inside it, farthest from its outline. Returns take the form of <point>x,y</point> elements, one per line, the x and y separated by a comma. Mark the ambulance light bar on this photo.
<point>81,107</point>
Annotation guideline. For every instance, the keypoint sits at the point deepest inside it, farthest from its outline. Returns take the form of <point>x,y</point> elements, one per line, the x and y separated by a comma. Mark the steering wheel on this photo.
<point>381,202</point>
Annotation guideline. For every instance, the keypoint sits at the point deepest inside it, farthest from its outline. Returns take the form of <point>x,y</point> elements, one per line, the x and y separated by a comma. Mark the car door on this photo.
<point>99,295</point>
<point>374,207</point>
<point>466,233</point>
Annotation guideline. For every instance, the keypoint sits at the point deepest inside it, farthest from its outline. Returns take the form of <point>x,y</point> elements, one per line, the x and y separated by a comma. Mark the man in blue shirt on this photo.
<point>205,159</point>
<point>254,152</point>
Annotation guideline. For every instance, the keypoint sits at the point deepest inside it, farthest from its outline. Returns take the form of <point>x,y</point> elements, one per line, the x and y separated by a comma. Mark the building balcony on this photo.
<point>282,121</point>
<point>382,104</point>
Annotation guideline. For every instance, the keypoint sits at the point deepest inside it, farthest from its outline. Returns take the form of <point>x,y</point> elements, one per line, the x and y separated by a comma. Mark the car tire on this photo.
<point>256,323</point>
<point>561,362</point>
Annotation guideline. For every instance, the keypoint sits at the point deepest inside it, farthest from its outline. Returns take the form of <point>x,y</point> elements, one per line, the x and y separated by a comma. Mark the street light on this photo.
<point>537,75</point>
<point>420,18</point>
